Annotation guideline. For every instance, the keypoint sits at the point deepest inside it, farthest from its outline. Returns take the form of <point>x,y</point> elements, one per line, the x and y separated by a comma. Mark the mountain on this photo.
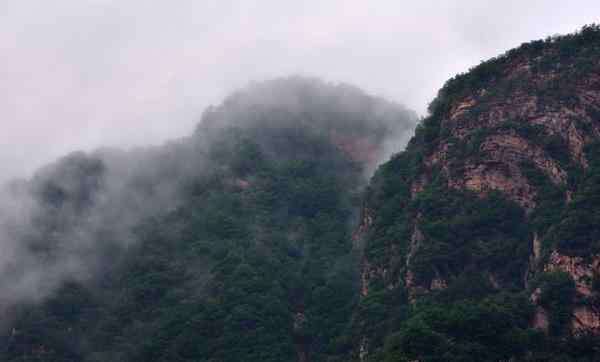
<point>261,237</point>
<point>482,239</point>
<point>230,245</point>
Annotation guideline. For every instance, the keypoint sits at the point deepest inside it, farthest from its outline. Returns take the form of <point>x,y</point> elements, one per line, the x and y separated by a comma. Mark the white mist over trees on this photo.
<point>77,216</point>
<point>77,75</point>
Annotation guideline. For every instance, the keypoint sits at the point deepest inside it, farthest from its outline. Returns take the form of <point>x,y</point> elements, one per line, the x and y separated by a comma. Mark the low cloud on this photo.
<point>84,74</point>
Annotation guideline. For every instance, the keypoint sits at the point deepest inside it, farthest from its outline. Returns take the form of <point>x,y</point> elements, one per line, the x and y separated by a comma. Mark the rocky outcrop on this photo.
<point>586,313</point>
<point>582,270</point>
<point>366,220</point>
<point>496,161</point>
<point>498,165</point>
<point>497,176</point>
<point>586,319</point>
<point>515,128</point>
<point>513,149</point>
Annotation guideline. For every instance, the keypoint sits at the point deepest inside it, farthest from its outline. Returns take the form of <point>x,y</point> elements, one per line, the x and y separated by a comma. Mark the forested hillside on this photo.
<point>231,245</point>
<point>263,237</point>
<point>482,237</point>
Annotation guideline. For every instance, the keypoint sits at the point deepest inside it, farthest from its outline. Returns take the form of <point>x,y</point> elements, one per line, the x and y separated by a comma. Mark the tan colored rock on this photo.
<point>578,268</point>
<point>499,169</point>
<point>485,177</point>
<point>513,149</point>
<point>461,108</point>
<point>586,319</point>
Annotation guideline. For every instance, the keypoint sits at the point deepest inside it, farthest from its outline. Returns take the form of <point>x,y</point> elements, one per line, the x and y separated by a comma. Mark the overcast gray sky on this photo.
<point>79,74</point>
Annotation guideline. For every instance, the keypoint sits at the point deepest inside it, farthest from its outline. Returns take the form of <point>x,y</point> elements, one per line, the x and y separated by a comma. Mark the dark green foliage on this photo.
<point>492,329</point>
<point>578,232</point>
<point>465,239</point>
<point>479,247</point>
<point>378,315</point>
<point>278,247</point>
<point>73,181</point>
<point>253,257</point>
<point>250,256</point>
<point>550,199</point>
<point>464,231</point>
<point>70,312</point>
<point>557,297</point>
<point>550,53</point>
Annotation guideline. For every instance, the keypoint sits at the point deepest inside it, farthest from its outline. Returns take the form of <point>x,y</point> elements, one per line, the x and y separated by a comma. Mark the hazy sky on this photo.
<point>83,73</point>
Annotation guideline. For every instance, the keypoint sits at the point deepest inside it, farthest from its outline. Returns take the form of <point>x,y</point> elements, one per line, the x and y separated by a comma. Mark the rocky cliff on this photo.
<point>493,196</point>
<point>246,241</point>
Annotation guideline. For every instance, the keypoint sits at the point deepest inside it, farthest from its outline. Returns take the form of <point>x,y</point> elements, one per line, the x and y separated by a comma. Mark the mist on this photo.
<point>87,74</point>
<point>118,79</point>
<point>76,217</point>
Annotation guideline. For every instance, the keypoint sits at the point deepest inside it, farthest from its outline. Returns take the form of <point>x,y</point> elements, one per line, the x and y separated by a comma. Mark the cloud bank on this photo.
<point>87,73</point>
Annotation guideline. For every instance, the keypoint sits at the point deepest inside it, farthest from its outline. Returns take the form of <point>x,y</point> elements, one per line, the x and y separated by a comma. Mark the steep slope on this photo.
<point>245,241</point>
<point>482,239</point>
<point>230,245</point>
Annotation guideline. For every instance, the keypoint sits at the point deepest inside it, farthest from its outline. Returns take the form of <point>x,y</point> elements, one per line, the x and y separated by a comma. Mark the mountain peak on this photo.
<point>487,203</point>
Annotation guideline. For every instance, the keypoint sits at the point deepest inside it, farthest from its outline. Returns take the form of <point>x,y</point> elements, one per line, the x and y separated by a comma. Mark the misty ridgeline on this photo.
<point>278,167</point>
<point>300,223</point>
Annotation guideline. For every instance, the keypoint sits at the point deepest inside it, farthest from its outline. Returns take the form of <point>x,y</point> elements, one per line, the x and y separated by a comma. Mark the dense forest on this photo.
<point>263,236</point>
<point>231,245</point>
<point>482,241</point>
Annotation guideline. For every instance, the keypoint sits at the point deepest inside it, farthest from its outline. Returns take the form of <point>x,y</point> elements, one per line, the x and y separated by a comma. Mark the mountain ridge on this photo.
<point>260,238</point>
<point>230,237</point>
<point>484,195</point>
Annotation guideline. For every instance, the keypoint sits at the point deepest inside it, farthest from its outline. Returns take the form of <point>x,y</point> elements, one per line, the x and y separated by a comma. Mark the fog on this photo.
<point>89,73</point>
<point>80,75</point>
<point>75,218</point>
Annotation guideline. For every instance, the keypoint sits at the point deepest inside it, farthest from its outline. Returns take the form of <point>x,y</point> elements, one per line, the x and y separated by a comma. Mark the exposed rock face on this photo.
<point>366,220</point>
<point>496,176</point>
<point>519,133</point>
<point>586,315</point>
<point>498,167</point>
<point>581,270</point>
<point>502,152</point>
<point>586,319</point>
